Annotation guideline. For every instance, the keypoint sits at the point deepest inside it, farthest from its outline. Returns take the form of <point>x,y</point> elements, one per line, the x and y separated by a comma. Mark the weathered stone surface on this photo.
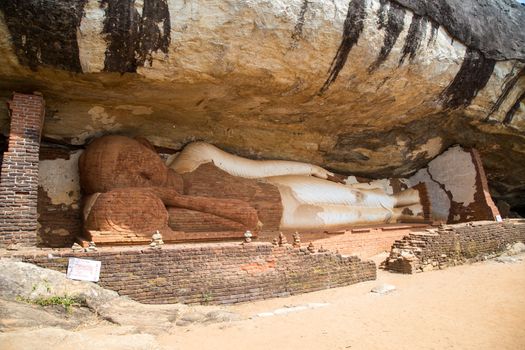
<point>221,316</point>
<point>383,288</point>
<point>19,315</point>
<point>59,339</point>
<point>370,87</point>
<point>466,21</point>
<point>29,282</point>
<point>516,248</point>
<point>193,317</point>
<point>507,260</point>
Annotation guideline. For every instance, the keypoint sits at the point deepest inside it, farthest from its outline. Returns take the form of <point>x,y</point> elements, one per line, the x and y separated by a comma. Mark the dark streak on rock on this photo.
<point>151,37</point>
<point>510,114</point>
<point>507,88</point>
<point>298,29</point>
<point>132,37</point>
<point>433,32</point>
<point>121,25</point>
<point>353,27</point>
<point>394,27</point>
<point>478,24</point>
<point>382,14</point>
<point>45,32</point>
<point>472,76</point>
<point>416,33</point>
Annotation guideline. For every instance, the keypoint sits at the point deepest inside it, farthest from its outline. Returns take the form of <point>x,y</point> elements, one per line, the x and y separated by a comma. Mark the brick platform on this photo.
<point>453,245</point>
<point>363,241</point>
<point>219,273</point>
<point>19,175</point>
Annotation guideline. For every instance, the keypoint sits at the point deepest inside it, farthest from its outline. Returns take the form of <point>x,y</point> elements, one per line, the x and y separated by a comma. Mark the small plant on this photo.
<point>66,301</point>
<point>207,297</point>
<point>45,284</point>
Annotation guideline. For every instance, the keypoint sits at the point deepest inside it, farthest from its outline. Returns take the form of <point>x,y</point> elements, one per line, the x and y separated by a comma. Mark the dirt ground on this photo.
<point>479,306</point>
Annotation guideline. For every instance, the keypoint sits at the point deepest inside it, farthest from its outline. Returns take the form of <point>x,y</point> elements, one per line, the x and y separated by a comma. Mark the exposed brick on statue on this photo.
<point>208,180</point>
<point>19,176</point>
<point>195,221</point>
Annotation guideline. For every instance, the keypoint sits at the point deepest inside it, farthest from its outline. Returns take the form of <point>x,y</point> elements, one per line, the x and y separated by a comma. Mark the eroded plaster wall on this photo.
<point>456,184</point>
<point>59,212</point>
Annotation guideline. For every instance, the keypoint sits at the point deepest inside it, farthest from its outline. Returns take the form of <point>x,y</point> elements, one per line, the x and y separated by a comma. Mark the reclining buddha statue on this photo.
<point>205,193</point>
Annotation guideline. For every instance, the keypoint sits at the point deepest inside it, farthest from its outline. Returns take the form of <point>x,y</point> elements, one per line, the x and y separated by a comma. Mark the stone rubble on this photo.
<point>383,288</point>
<point>291,309</point>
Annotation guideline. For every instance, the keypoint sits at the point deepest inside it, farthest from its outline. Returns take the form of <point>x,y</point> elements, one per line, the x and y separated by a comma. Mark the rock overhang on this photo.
<point>247,77</point>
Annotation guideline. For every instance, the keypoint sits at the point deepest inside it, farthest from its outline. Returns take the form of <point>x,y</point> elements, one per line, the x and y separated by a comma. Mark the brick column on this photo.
<point>19,176</point>
<point>491,210</point>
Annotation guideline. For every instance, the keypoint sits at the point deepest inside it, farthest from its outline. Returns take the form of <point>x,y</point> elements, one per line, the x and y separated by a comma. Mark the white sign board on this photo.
<point>498,218</point>
<point>83,270</point>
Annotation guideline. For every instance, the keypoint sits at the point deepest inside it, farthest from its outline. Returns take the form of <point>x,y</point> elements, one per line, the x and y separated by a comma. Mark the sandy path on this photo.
<point>480,306</point>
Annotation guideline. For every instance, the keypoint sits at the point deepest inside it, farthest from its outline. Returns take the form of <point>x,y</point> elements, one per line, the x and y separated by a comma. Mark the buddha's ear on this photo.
<point>336,178</point>
<point>144,141</point>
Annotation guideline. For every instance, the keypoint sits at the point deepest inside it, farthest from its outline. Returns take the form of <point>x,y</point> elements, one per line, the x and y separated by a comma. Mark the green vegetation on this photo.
<point>66,301</point>
<point>207,297</point>
<point>45,284</point>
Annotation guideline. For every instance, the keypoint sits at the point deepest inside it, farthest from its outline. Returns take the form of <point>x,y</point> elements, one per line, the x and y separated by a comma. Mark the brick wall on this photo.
<point>215,273</point>
<point>19,176</point>
<point>453,245</point>
<point>364,242</point>
<point>3,148</point>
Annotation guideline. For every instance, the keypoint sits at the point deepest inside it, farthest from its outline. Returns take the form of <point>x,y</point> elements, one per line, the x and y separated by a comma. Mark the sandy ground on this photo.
<point>479,306</point>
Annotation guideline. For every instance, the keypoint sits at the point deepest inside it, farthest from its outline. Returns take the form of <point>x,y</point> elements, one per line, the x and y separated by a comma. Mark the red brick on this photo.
<point>18,213</point>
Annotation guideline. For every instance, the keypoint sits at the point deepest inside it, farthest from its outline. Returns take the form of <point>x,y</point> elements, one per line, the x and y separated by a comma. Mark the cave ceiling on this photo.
<point>367,87</point>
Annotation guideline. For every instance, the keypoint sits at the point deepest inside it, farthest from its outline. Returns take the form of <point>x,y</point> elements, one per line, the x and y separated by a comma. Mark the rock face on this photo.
<point>30,282</point>
<point>375,88</point>
<point>25,325</point>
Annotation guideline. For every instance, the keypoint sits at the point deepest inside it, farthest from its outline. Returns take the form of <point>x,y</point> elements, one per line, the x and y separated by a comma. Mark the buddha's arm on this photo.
<point>232,209</point>
<point>199,153</point>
